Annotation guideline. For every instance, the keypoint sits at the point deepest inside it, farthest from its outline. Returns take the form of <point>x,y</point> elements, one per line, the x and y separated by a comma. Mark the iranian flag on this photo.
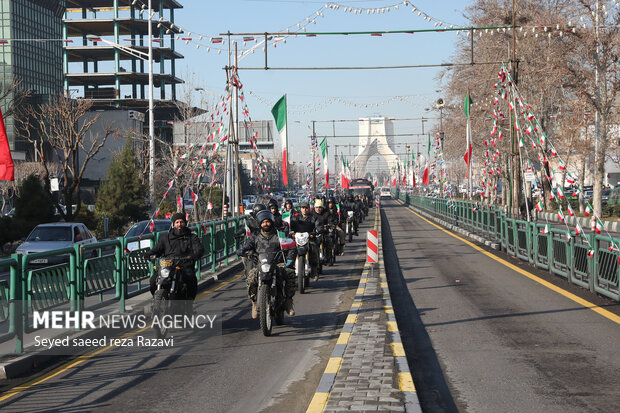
<point>324,155</point>
<point>598,226</point>
<point>578,230</point>
<point>285,242</point>
<point>286,217</point>
<point>6,161</point>
<point>344,176</point>
<point>425,175</point>
<point>540,206</point>
<point>588,210</point>
<point>591,253</point>
<point>279,114</point>
<point>545,229</point>
<point>468,143</point>
<point>561,214</point>
<point>570,210</point>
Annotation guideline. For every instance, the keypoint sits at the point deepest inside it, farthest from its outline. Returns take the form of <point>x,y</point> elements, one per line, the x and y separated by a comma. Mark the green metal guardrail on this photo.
<point>554,251</point>
<point>90,276</point>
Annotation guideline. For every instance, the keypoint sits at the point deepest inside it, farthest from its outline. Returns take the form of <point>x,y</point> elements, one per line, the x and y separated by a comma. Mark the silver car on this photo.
<point>47,237</point>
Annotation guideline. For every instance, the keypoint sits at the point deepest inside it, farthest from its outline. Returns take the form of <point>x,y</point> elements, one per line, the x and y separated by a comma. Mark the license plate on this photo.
<point>39,261</point>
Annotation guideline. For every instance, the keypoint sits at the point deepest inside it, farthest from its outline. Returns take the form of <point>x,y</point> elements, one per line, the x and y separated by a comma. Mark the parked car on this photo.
<point>53,236</point>
<point>614,197</point>
<point>143,228</point>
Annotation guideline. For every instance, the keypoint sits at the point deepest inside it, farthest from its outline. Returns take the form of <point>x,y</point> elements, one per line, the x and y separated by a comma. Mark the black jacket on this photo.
<point>259,243</point>
<point>299,223</point>
<point>185,244</point>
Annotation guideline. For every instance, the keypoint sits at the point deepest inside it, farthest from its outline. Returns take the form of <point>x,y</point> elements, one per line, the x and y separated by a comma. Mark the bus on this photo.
<point>361,187</point>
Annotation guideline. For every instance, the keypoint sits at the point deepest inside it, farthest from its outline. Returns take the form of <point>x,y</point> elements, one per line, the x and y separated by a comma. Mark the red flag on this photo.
<point>394,182</point>
<point>467,155</point>
<point>6,161</point>
<point>425,176</point>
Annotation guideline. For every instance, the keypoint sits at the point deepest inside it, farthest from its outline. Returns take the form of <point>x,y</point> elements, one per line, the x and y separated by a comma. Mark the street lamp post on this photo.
<point>147,57</point>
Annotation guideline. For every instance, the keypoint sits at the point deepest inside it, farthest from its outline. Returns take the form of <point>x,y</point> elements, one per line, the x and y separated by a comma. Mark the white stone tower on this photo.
<point>376,135</point>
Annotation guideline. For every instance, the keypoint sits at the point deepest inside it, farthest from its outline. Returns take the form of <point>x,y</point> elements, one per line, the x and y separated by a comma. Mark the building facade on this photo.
<point>31,52</point>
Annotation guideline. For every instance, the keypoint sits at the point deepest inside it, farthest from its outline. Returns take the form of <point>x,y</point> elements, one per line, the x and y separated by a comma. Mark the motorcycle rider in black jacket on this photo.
<point>305,222</point>
<point>267,240</point>
<point>335,219</point>
<point>179,242</point>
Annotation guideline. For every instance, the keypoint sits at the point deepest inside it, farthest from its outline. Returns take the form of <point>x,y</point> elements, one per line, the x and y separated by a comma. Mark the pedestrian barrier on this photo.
<point>90,276</point>
<point>372,247</point>
<point>588,260</point>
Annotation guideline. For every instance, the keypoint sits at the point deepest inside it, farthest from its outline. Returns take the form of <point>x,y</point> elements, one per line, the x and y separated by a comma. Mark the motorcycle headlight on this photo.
<point>265,267</point>
<point>165,272</point>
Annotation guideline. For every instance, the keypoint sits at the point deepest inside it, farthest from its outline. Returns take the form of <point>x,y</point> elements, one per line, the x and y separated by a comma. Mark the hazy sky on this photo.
<point>311,94</point>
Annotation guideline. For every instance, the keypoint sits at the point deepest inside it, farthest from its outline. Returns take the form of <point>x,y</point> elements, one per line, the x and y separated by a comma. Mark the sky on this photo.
<point>311,95</point>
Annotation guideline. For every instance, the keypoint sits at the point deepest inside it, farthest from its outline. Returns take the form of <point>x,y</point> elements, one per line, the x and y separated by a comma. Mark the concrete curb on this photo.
<point>454,228</point>
<point>585,222</point>
<point>33,362</point>
<point>321,395</point>
<point>405,380</point>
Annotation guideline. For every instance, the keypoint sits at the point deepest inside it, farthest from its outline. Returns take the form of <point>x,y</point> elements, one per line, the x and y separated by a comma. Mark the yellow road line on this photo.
<point>605,313</point>
<point>398,350</point>
<point>405,382</point>
<point>318,402</point>
<point>351,319</point>
<point>333,365</point>
<point>343,338</point>
<point>80,359</point>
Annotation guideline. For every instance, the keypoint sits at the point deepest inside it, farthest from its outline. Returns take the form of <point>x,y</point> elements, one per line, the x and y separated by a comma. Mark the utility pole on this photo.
<point>313,160</point>
<point>516,167</point>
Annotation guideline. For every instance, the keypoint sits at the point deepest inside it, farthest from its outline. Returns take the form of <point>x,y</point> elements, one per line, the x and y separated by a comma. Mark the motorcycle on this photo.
<point>302,263</point>
<point>328,244</point>
<point>270,299</point>
<point>350,225</point>
<point>170,298</point>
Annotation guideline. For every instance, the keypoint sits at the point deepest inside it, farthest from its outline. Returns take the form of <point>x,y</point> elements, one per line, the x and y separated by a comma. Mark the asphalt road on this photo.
<point>238,370</point>
<point>481,337</point>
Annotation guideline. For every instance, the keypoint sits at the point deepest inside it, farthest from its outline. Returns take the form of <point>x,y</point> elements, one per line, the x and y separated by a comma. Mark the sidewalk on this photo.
<point>368,369</point>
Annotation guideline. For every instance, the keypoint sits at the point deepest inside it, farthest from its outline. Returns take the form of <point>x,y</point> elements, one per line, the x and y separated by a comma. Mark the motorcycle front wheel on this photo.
<point>350,233</point>
<point>161,307</point>
<point>264,312</point>
<point>301,273</point>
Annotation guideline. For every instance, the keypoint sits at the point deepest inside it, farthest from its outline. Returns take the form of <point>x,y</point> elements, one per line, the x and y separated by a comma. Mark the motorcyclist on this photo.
<point>350,205</point>
<point>272,206</point>
<point>267,241</point>
<point>336,219</point>
<point>305,222</point>
<point>179,242</point>
<point>321,220</point>
<point>289,207</point>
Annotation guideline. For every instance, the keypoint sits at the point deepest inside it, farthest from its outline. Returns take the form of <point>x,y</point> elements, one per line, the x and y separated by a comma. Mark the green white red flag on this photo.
<point>279,114</point>
<point>285,242</point>
<point>598,226</point>
<point>6,161</point>
<point>588,210</point>
<point>325,164</point>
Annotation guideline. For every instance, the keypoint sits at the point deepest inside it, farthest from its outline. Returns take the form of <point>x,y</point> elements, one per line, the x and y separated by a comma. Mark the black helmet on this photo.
<point>258,207</point>
<point>289,202</point>
<point>263,215</point>
<point>350,198</point>
<point>272,203</point>
<point>331,200</point>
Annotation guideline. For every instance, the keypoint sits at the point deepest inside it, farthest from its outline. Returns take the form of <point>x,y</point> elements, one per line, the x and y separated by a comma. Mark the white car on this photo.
<point>53,236</point>
<point>385,193</point>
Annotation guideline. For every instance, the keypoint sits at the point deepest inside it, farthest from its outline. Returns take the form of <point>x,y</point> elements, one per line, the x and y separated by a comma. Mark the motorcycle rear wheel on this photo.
<point>264,310</point>
<point>161,307</point>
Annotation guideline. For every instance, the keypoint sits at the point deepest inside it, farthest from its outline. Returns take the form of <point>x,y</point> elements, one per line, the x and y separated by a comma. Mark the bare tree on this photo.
<point>64,137</point>
<point>12,95</point>
<point>593,72</point>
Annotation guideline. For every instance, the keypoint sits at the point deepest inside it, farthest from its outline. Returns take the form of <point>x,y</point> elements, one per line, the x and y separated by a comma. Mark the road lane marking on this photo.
<point>587,304</point>
<point>82,358</point>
